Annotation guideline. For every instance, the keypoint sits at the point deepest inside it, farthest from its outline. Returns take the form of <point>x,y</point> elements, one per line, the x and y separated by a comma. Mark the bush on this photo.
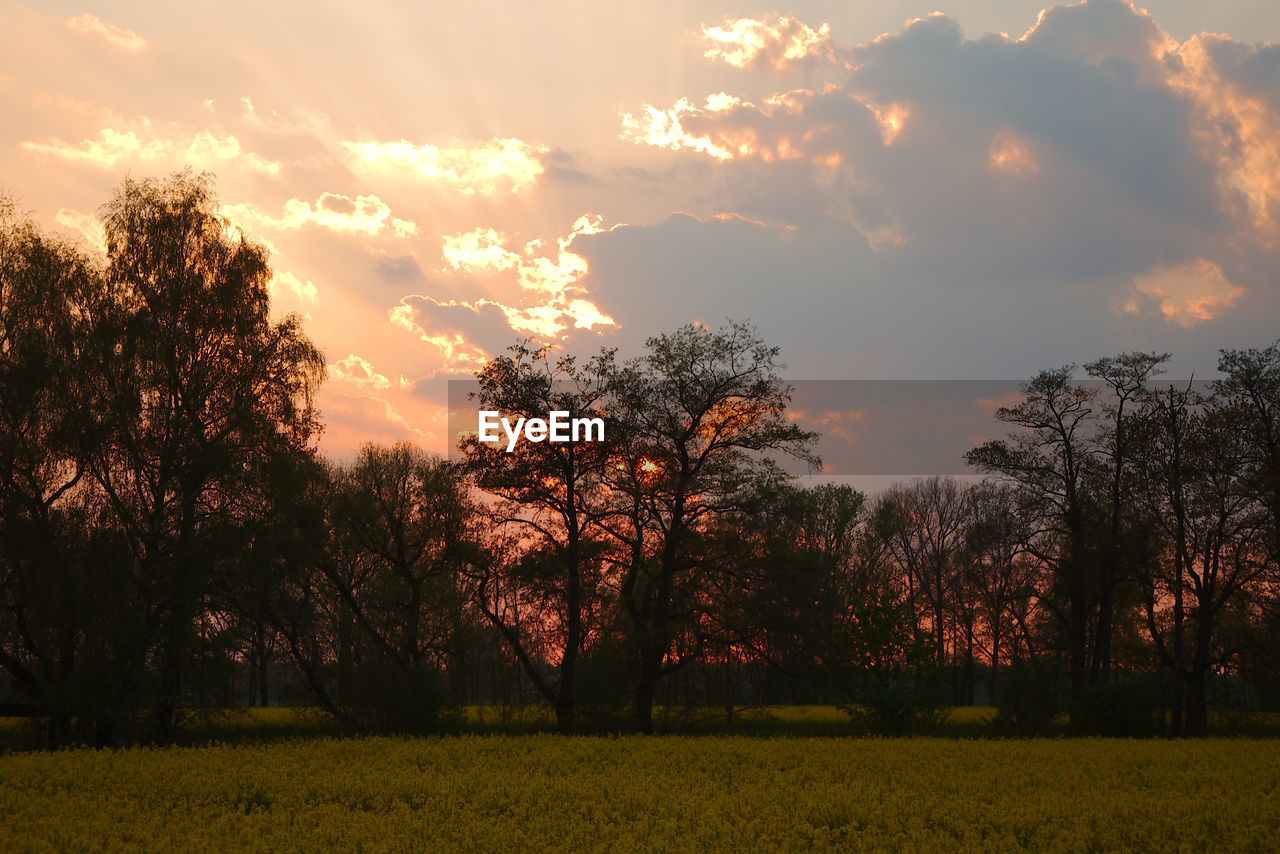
<point>904,703</point>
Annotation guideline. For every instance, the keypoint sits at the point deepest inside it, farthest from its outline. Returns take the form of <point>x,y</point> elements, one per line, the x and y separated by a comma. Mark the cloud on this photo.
<point>126,40</point>
<point>367,215</point>
<point>105,151</point>
<point>537,292</point>
<point>358,371</point>
<point>86,225</point>
<point>840,423</point>
<point>358,407</point>
<point>1012,155</point>
<point>451,328</point>
<point>130,140</point>
<point>774,41</point>
<point>1093,149</point>
<point>352,420</point>
<point>663,128</point>
<point>499,165</point>
<point>480,249</point>
<point>285,282</point>
<point>482,252</point>
<point>1188,293</point>
<point>1234,87</point>
<point>209,146</point>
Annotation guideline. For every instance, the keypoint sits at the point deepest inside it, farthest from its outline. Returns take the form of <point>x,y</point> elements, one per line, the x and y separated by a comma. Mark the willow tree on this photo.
<point>49,291</point>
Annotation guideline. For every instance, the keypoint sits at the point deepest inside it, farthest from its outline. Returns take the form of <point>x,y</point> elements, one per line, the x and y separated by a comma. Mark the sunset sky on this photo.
<point>887,191</point>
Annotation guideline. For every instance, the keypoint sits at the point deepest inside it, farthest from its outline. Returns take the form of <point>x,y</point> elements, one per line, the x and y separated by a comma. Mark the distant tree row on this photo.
<point>170,538</point>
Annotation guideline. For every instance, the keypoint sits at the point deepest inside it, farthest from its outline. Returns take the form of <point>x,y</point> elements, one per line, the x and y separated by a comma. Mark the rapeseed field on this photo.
<point>712,793</point>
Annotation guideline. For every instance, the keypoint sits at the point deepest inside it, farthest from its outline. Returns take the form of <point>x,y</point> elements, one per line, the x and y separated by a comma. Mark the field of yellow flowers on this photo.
<point>657,794</point>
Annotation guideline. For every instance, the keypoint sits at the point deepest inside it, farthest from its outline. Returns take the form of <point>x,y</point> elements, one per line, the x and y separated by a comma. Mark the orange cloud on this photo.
<point>663,128</point>
<point>124,139</point>
<point>359,372</point>
<point>726,127</point>
<point>1189,293</point>
<point>499,165</point>
<point>890,118</point>
<point>367,215</point>
<point>353,418</point>
<point>839,423</point>
<point>207,146</point>
<point>110,147</point>
<point>1238,126</point>
<point>126,40</point>
<point>483,252</point>
<point>777,42</point>
<point>455,353</point>
<point>1011,155</point>
<point>550,300</point>
<point>284,282</point>
<point>480,249</point>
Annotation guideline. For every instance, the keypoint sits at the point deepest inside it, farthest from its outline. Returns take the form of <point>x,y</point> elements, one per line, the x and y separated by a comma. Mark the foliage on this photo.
<point>176,390</point>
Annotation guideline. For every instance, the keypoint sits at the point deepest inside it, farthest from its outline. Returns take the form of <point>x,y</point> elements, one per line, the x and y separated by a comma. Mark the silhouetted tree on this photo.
<point>50,296</point>
<point>547,500</point>
<point>1126,375</point>
<point>1050,455</point>
<point>402,534</point>
<point>698,413</point>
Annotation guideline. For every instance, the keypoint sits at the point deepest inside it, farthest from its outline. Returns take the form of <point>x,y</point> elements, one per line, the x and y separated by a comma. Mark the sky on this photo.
<point>887,190</point>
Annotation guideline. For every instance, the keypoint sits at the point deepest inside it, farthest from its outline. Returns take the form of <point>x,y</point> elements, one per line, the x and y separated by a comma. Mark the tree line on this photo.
<point>171,538</point>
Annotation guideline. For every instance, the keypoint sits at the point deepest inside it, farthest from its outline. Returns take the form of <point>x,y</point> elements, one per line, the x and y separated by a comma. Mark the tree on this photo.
<point>402,538</point>
<point>49,296</point>
<point>1000,568</point>
<point>1050,455</point>
<point>197,387</point>
<point>1252,386</point>
<point>928,547</point>
<point>696,417</point>
<point>547,498</point>
<point>1215,542</point>
<point>1164,468</point>
<point>1126,375</point>
<point>785,588</point>
<point>144,401</point>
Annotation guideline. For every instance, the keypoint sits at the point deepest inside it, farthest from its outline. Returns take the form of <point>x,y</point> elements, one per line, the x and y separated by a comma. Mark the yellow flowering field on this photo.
<point>659,794</point>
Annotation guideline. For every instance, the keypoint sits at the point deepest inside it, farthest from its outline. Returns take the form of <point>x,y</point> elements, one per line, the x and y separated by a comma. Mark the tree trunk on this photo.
<point>647,687</point>
<point>1197,700</point>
